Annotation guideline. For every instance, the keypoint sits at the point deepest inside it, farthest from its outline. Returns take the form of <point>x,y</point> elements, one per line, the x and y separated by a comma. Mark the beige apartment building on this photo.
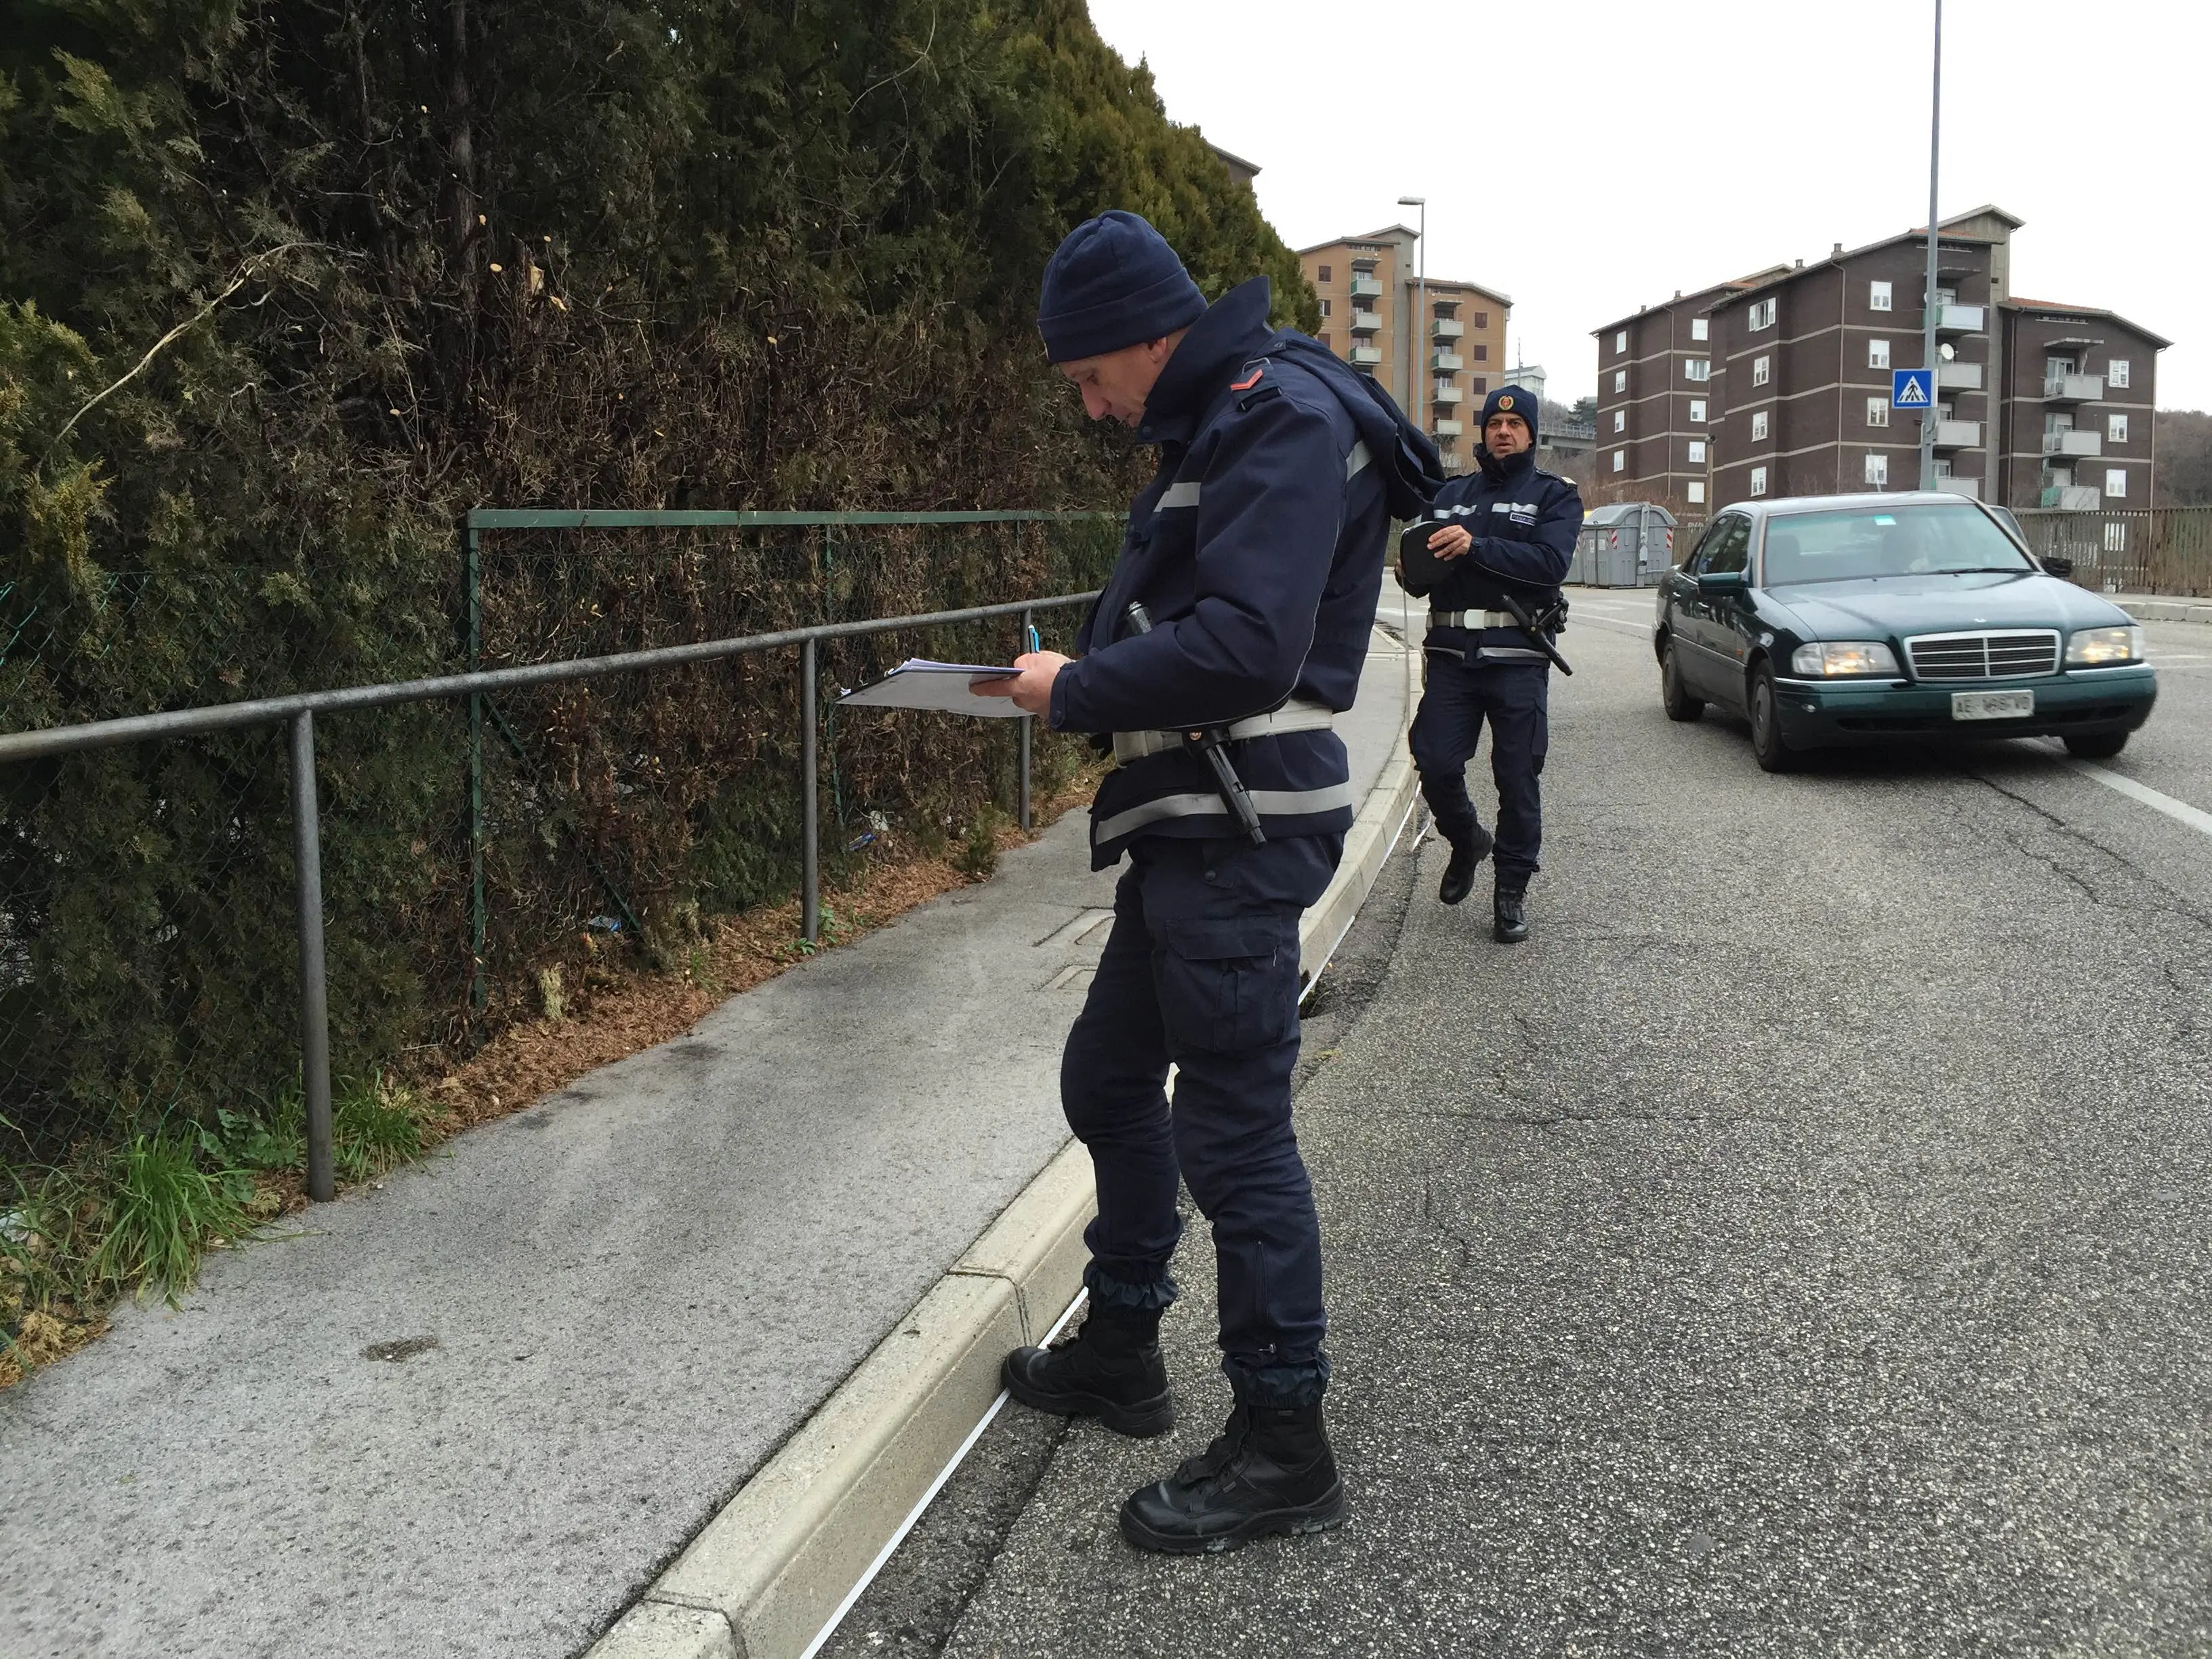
<point>1440,367</point>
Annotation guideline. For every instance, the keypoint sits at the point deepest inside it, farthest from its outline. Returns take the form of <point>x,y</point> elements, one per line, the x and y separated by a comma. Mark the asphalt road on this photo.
<point>1800,1245</point>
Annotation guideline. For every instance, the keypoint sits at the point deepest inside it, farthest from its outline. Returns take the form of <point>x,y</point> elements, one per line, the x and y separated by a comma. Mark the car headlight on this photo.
<point>2094,648</point>
<point>1837,658</point>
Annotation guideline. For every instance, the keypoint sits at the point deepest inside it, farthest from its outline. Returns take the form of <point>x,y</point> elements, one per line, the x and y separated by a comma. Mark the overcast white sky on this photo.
<point>1590,156</point>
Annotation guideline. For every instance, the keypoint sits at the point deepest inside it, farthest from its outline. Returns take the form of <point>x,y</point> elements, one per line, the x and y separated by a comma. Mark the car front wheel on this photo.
<point>2097,745</point>
<point>1768,747</point>
<point>1681,705</point>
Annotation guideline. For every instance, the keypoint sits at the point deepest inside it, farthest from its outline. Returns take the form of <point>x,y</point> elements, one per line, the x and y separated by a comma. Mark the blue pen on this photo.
<point>1036,643</point>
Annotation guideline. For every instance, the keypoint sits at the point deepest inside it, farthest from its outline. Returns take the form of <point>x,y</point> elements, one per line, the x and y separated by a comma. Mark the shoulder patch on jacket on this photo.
<point>1252,371</point>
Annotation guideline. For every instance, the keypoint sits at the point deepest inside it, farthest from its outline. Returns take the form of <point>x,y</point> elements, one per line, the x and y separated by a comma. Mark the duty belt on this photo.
<point>1295,716</point>
<point>1471,619</point>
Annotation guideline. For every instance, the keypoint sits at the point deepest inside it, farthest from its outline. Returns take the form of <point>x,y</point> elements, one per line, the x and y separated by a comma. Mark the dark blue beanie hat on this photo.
<point>1114,283</point>
<point>1512,400</point>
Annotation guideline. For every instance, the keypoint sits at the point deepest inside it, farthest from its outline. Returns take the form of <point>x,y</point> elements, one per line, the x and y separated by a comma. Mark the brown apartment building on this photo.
<point>2037,404</point>
<point>1654,407</point>
<point>1439,368</point>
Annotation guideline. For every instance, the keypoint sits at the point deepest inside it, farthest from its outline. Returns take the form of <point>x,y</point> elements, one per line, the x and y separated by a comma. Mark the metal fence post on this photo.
<point>478,992</point>
<point>809,803</point>
<point>314,996</point>
<point>1029,631</point>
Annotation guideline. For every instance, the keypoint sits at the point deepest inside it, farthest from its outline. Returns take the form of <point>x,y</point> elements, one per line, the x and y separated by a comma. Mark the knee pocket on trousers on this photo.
<point>1228,985</point>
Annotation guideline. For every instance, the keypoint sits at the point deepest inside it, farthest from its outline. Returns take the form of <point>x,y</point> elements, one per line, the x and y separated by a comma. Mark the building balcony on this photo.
<point>1366,322</point>
<point>1445,396</point>
<point>1445,428</point>
<point>1447,328</point>
<point>1952,484</point>
<point>2074,443</point>
<point>1446,362</point>
<point>2074,389</point>
<point>1958,435</point>
<point>1367,285</point>
<point>1455,463</point>
<point>1958,377</point>
<point>2070,498</point>
<point>1958,320</point>
<point>1366,356</point>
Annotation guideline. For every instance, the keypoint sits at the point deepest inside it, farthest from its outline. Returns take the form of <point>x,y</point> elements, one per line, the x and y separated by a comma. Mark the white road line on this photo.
<point>1642,628</point>
<point>2179,810</point>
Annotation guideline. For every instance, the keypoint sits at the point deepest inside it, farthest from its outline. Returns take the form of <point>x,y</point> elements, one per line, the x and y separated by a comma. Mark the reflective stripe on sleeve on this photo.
<point>1184,494</point>
<point>1355,462</point>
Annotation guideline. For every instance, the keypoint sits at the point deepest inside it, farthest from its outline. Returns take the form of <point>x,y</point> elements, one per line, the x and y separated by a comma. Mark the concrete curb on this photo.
<point>2194,610</point>
<point>764,1576</point>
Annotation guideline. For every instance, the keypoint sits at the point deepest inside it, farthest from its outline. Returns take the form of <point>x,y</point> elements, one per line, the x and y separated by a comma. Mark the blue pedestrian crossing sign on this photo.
<point>1908,388</point>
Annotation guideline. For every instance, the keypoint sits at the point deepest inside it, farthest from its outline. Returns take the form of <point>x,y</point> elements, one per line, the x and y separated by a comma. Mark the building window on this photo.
<point>1877,354</point>
<point>1696,411</point>
<point>2116,483</point>
<point>1621,340</point>
<point>1324,307</point>
<point>2115,373</point>
<point>1482,319</point>
<point>1762,315</point>
<point>1480,354</point>
<point>1761,371</point>
<point>1621,420</point>
<point>1619,460</point>
<point>2116,429</point>
<point>1480,385</point>
<point>1877,470</point>
<point>1877,296</point>
<point>1758,425</point>
<point>1877,411</point>
<point>1620,379</point>
<point>1696,493</point>
<point>1698,368</point>
<point>1697,452</point>
<point>2116,535</point>
<point>1700,328</point>
<point>1759,481</point>
<point>1324,273</point>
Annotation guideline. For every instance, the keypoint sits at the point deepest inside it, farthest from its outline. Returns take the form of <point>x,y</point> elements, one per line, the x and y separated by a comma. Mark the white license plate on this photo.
<point>1991,705</point>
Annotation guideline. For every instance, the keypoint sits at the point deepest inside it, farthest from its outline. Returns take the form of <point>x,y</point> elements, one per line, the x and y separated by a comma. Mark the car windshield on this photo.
<point>1849,544</point>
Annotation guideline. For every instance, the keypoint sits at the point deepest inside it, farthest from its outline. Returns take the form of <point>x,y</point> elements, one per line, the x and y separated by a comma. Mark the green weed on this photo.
<point>375,1127</point>
<point>163,1213</point>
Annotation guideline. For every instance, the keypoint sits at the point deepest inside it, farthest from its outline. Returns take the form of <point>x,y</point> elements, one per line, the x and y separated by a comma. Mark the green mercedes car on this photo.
<point>1832,620</point>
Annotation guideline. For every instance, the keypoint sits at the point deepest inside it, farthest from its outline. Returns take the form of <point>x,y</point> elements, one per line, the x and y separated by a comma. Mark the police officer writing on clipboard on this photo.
<point>1242,603</point>
<point>1499,539</point>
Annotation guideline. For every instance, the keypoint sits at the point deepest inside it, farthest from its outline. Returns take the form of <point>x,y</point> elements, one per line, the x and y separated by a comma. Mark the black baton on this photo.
<point>1210,742</point>
<point>1527,624</point>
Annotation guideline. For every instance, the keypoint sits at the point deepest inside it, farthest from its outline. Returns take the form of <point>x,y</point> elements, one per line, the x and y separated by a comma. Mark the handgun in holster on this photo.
<point>1212,742</point>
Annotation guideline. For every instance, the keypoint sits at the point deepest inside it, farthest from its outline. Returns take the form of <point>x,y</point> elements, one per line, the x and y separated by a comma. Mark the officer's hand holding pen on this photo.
<point>1031,689</point>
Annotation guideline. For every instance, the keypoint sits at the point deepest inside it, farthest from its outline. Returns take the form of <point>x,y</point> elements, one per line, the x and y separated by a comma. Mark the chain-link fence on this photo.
<point>151,973</point>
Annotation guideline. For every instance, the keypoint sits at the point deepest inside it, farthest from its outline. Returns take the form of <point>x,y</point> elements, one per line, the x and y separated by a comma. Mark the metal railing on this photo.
<point>2149,549</point>
<point>297,711</point>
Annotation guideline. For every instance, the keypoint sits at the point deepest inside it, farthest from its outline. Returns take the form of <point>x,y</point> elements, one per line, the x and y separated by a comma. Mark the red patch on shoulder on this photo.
<point>1246,385</point>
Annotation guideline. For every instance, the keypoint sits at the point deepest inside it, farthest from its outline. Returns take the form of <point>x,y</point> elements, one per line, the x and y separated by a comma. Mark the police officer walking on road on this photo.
<point>1232,632</point>
<point>1505,536</point>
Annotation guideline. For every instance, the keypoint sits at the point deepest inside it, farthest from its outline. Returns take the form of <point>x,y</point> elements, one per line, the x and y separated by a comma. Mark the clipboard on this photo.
<point>945,687</point>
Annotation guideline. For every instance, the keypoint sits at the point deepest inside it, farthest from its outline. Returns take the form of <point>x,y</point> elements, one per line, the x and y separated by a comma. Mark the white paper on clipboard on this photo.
<point>918,683</point>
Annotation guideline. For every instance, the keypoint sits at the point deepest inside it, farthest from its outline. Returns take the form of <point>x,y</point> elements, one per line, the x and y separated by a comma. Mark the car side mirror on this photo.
<point>1719,584</point>
<point>2058,567</point>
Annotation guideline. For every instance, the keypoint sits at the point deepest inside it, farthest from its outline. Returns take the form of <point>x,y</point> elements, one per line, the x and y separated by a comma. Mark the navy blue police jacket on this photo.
<point>1257,550</point>
<point>1524,522</point>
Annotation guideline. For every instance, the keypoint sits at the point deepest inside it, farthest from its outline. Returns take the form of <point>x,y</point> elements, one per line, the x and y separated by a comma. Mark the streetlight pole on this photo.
<point>1420,303</point>
<point>1928,415</point>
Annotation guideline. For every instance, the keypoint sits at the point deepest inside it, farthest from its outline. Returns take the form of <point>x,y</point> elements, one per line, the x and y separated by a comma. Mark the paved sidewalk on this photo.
<point>608,1311</point>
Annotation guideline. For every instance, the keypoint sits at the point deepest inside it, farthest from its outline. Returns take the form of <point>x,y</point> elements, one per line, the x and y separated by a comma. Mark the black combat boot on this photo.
<point>1270,1471</point>
<point>1110,1369</point>
<point>1468,849</point>
<point>1511,910</point>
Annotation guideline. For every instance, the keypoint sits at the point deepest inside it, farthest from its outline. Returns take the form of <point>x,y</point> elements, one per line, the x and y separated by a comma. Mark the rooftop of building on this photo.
<point>1732,285</point>
<point>1986,224</point>
<point>2060,309</point>
<point>1391,233</point>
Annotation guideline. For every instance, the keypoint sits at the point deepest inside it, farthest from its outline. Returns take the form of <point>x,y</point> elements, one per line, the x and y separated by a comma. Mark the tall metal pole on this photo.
<point>1927,318</point>
<point>1418,351</point>
<point>315,994</point>
<point>809,808</point>
<point>479,994</point>
<point>1021,786</point>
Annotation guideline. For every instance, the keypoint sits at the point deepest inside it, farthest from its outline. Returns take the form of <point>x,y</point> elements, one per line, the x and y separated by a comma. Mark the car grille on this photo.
<point>1983,656</point>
